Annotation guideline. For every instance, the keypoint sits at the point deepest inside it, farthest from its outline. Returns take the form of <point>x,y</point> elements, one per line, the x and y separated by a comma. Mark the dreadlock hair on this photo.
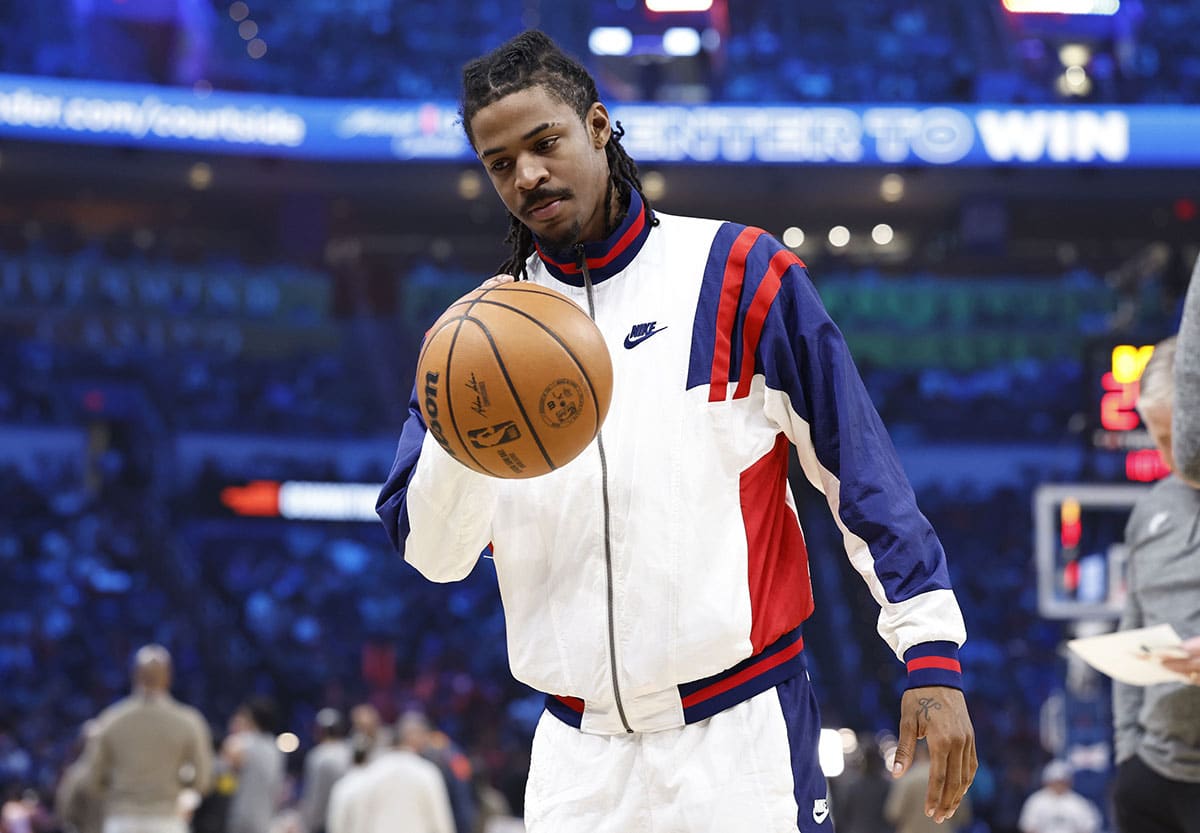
<point>531,59</point>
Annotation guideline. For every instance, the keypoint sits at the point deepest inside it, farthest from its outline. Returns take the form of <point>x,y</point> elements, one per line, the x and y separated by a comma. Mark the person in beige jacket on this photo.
<point>146,750</point>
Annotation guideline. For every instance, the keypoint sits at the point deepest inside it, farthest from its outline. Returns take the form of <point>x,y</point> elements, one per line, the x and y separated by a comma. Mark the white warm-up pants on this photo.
<point>752,767</point>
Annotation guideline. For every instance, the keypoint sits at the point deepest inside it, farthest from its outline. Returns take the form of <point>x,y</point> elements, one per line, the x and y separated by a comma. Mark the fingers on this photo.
<point>970,767</point>
<point>906,746</point>
<point>945,777</point>
<point>1190,668</point>
<point>496,280</point>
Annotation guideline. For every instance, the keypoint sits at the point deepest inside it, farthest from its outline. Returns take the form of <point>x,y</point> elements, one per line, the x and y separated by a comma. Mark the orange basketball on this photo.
<point>514,381</point>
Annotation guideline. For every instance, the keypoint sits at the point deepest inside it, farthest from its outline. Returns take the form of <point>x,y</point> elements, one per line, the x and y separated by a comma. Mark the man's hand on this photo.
<point>496,280</point>
<point>938,714</point>
<point>1189,664</point>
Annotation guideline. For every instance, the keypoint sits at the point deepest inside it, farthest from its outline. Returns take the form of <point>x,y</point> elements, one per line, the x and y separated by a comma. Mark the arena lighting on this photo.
<point>849,740</point>
<point>610,40</point>
<point>654,185</point>
<point>287,743</point>
<point>891,188</point>
<point>303,500</point>
<point>681,42</point>
<point>470,184</point>
<point>882,234</point>
<point>1104,7</point>
<point>839,236</point>
<point>1074,54</point>
<point>830,753</point>
<point>239,10</point>
<point>200,176</point>
<point>793,237</point>
<point>678,5</point>
<point>1074,81</point>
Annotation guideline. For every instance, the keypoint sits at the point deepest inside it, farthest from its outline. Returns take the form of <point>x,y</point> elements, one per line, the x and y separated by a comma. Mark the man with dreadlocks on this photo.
<point>655,587</point>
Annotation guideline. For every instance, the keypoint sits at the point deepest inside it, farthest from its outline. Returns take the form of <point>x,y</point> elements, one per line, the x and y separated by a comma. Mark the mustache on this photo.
<point>543,195</point>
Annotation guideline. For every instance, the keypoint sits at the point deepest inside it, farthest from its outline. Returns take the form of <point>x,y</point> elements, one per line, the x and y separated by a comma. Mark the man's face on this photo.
<point>1157,419</point>
<point>547,165</point>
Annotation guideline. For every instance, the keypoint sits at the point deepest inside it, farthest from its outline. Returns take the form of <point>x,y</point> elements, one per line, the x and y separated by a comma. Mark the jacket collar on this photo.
<point>605,258</point>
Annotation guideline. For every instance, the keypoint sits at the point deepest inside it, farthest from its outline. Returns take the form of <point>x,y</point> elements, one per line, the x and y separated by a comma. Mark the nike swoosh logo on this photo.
<point>634,341</point>
<point>1157,521</point>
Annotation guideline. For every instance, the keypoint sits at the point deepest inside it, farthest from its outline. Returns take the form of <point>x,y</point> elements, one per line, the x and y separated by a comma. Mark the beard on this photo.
<point>564,241</point>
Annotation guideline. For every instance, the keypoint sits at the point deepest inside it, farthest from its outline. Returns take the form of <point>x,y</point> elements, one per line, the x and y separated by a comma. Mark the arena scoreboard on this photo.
<point>1114,372</point>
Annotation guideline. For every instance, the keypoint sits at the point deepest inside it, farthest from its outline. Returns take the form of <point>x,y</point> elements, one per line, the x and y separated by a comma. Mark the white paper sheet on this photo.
<point>1132,656</point>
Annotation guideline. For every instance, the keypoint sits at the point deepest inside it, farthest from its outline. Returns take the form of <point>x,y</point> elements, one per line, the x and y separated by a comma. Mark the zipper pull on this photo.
<point>581,262</point>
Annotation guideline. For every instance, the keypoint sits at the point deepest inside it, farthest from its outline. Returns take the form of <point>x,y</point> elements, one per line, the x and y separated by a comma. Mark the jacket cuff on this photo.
<point>933,663</point>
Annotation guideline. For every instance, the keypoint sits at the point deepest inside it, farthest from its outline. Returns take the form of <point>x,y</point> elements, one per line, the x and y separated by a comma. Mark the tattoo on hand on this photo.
<point>924,705</point>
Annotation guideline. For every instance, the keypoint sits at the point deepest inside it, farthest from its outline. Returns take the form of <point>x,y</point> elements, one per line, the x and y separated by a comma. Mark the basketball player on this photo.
<point>145,749</point>
<point>1157,728</point>
<point>654,588</point>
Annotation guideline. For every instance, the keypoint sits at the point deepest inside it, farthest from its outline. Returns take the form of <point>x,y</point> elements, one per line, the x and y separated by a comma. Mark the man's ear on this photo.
<point>599,125</point>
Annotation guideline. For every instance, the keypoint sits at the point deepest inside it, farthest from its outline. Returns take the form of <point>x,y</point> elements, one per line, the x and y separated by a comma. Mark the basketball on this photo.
<point>514,381</point>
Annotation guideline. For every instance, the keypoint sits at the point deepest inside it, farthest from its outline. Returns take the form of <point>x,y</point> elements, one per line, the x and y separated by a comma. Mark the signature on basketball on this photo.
<point>481,402</point>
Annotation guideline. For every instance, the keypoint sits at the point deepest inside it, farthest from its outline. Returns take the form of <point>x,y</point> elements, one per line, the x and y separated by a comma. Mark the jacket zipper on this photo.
<point>608,564</point>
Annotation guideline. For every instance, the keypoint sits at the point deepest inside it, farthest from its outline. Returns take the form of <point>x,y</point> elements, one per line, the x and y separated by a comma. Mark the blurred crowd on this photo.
<point>112,537</point>
<point>855,51</point>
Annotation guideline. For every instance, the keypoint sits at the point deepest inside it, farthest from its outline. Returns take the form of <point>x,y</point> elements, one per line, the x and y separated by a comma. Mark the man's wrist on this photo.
<point>933,664</point>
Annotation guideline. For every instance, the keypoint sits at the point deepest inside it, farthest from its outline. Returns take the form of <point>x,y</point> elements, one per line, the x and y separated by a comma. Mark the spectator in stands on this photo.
<point>326,762</point>
<point>146,749</point>
<point>1157,727</point>
<point>252,755</point>
<point>1056,808</point>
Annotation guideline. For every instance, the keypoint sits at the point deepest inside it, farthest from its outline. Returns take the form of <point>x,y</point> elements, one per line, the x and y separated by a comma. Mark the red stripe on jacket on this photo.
<point>777,558</point>
<point>573,703</point>
<point>756,316</point>
<point>727,310</point>
<point>761,667</point>
<point>618,248</point>
<point>944,663</point>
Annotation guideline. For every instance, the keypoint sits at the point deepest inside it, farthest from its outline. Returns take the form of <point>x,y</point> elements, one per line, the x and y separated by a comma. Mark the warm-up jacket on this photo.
<point>662,575</point>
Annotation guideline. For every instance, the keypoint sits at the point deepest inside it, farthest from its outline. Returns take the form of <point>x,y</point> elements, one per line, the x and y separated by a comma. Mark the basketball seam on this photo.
<point>516,396</point>
<point>449,398</point>
<point>582,370</point>
<point>432,332</point>
<point>546,293</point>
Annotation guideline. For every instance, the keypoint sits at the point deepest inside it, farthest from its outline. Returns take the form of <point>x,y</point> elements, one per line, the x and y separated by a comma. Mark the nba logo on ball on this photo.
<point>517,380</point>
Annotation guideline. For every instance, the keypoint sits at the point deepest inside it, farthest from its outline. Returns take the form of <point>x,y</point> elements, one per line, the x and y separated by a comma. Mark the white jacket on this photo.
<point>669,580</point>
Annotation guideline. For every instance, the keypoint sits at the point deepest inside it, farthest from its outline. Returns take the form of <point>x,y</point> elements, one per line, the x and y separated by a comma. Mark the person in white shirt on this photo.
<point>1056,808</point>
<point>344,810</point>
<point>397,792</point>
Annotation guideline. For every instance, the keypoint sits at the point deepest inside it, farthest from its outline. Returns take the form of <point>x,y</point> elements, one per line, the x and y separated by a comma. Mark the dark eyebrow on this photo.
<point>543,126</point>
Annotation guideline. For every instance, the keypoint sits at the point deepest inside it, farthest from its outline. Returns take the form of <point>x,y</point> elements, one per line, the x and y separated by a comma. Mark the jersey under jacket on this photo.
<point>663,575</point>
